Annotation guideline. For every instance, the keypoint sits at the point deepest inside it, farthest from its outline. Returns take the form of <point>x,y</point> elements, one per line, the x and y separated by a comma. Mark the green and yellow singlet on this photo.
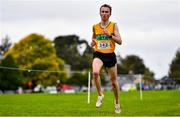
<point>104,43</point>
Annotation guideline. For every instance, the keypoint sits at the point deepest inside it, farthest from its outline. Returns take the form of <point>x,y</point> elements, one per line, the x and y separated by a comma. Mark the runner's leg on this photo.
<point>97,65</point>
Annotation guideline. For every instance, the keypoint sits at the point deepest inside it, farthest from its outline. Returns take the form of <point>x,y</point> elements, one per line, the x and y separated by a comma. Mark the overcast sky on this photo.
<point>149,28</point>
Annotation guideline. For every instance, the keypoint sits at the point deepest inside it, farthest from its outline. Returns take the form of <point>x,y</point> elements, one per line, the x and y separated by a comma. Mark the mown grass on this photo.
<point>154,103</point>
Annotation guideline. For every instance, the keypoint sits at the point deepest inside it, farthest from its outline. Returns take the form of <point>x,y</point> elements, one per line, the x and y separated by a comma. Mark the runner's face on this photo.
<point>105,13</point>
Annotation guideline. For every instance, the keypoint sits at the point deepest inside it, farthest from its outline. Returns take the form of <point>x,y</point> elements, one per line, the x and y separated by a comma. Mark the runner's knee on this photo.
<point>113,83</point>
<point>95,74</point>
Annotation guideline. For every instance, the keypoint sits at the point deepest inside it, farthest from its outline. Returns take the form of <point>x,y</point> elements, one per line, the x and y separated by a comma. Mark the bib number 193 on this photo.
<point>103,45</point>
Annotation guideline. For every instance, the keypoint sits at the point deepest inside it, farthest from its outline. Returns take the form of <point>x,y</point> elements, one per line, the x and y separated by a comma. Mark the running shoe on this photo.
<point>99,101</point>
<point>117,108</point>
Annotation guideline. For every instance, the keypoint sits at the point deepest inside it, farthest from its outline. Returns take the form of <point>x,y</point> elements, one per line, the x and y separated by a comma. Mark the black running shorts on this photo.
<point>108,59</point>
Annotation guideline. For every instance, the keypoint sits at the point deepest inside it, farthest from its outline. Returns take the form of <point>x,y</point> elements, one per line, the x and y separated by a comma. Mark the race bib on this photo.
<point>103,45</point>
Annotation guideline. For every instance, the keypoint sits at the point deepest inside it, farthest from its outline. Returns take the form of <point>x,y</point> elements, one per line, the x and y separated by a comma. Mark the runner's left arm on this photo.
<point>117,37</point>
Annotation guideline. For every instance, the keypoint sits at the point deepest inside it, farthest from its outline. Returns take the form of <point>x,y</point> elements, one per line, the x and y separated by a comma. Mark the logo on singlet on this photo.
<point>103,37</point>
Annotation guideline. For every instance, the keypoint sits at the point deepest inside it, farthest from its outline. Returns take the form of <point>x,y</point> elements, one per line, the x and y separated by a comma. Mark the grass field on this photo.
<point>156,103</point>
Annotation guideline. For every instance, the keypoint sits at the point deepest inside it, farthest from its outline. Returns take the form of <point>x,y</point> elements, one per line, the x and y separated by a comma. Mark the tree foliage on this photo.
<point>37,52</point>
<point>67,49</point>
<point>9,79</point>
<point>5,45</point>
<point>133,64</point>
<point>78,79</point>
<point>174,70</point>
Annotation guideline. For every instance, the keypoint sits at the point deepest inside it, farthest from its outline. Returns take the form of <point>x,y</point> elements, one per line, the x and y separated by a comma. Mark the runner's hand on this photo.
<point>93,43</point>
<point>106,32</point>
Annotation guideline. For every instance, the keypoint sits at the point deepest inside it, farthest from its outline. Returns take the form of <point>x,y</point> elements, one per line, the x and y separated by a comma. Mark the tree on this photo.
<point>133,64</point>
<point>67,49</point>
<point>10,79</point>
<point>37,52</point>
<point>174,70</point>
<point>6,44</point>
<point>148,76</point>
<point>78,79</point>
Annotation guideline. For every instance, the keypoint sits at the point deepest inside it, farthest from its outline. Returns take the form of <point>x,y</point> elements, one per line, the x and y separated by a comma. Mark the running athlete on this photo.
<point>105,35</point>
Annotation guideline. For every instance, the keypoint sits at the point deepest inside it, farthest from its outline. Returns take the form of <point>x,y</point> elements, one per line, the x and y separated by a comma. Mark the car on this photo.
<point>51,90</point>
<point>66,88</point>
<point>128,87</point>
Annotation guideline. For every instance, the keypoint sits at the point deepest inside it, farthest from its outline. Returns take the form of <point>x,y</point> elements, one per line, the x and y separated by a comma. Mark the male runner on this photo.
<point>105,35</point>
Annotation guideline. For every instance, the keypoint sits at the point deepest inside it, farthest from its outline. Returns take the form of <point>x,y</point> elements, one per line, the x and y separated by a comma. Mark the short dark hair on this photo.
<point>106,5</point>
